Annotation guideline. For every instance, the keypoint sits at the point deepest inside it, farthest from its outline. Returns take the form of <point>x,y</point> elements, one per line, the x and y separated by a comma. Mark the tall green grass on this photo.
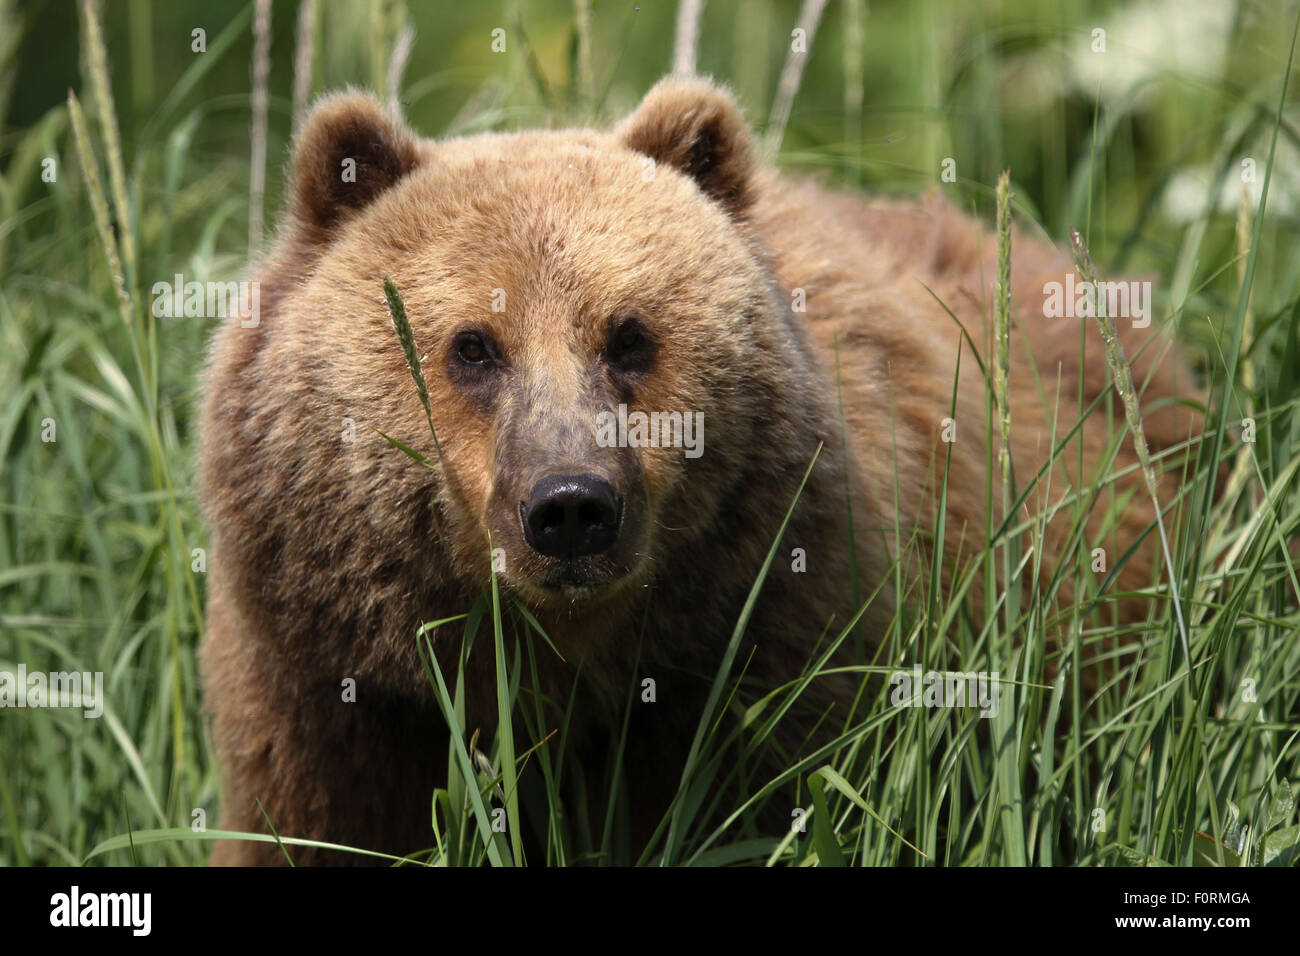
<point>1161,763</point>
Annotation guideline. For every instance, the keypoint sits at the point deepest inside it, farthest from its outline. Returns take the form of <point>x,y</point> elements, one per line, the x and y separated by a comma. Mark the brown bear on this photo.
<point>557,282</point>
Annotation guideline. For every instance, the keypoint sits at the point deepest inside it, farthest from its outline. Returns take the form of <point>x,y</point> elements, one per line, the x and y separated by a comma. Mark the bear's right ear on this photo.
<point>348,152</point>
<point>696,128</point>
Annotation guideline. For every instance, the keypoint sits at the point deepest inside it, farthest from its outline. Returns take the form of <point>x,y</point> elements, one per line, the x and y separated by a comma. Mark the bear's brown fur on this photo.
<point>327,555</point>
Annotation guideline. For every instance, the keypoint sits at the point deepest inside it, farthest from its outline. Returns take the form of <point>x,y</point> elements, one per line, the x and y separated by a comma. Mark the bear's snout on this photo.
<point>571,516</point>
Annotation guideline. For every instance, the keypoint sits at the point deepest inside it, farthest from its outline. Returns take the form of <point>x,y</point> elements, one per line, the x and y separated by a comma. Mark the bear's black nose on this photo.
<point>569,516</point>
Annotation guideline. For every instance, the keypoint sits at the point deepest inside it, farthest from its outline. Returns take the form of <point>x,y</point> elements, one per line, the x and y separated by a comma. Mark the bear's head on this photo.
<point>603,342</point>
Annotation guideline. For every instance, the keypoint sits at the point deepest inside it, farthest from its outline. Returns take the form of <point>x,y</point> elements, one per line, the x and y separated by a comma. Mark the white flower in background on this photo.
<point>1187,38</point>
<point>1186,195</point>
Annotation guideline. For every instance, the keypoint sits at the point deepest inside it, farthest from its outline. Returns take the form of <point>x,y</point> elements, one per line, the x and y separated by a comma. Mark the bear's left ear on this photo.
<point>348,153</point>
<point>696,128</point>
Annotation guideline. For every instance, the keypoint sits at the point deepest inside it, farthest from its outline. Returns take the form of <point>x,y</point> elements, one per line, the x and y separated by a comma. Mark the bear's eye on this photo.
<point>474,364</point>
<point>471,350</point>
<point>630,348</point>
<point>628,339</point>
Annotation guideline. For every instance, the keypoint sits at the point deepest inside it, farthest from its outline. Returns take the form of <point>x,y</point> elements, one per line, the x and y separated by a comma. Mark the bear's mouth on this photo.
<point>587,580</point>
<point>571,584</point>
<point>578,577</point>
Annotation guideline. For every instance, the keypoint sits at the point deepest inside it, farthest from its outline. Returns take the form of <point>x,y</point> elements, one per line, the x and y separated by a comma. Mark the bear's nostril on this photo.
<point>569,516</point>
<point>590,514</point>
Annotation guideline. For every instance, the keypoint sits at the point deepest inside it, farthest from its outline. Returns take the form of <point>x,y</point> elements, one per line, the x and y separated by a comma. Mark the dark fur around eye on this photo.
<point>630,350</point>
